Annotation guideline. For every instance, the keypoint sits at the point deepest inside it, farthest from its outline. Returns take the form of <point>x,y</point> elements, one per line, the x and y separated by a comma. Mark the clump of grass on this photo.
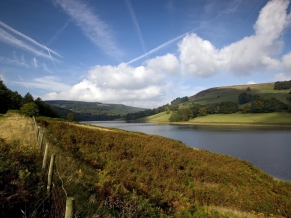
<point>164,176</point>
<point>21,186</point>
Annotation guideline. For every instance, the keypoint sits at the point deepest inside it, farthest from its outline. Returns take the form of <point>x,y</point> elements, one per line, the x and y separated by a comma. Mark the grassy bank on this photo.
<point>160,177</point>
<point>236,119</point>
<point>115,173</point>
<point>21,186</point>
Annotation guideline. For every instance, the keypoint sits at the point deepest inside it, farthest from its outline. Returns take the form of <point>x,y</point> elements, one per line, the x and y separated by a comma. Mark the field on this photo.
<point>236,118</point>
<point>240,118</point>
<point>115,173</point>
<point>230,93</point>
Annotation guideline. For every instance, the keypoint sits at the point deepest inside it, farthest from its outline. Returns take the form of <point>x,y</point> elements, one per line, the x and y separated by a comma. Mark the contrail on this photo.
<point>157,48</point>
<point>135,24</point>
<point>48,52</point>
<point>26,37</point>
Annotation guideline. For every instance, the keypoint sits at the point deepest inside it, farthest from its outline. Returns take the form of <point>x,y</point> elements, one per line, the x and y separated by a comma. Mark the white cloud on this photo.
<point>141,86</point>
<point>281,77</point>
<point>254,53</point>
<point>198,57</point>
<point>287,62</point>
<point>96,30</point>
<point>251,82</point>
<point>167,63</point>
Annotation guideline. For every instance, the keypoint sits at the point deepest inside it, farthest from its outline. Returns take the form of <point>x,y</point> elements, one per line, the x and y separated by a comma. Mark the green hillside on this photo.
<point>266,103</point>
<point>230,93</point>
<point>92,110</point>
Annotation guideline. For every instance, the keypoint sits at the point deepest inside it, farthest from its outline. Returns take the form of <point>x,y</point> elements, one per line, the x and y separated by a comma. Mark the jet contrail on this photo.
<point>157,48</point>
<point>135,24</point>
<point>26,37</point>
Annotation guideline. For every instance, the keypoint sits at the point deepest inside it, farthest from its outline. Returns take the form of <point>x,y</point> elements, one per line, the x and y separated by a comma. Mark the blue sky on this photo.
<point>141,53</point>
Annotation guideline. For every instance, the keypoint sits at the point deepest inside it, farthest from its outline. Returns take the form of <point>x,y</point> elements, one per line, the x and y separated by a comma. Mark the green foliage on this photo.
<point>8,99</point>
<point>262,105</point>
<point>246,108</point>
<point>30,109</point>
<point>92,110</point>
<point>165,176</point>
<point>183,114</point>
<point>244,98</point>
<point>21,186</point>
<point>282,85</point>
<point>146,113</point>
<point>71,117</point>
<point>45,109</point>
<point>179,100</point>
<point>27,98</point>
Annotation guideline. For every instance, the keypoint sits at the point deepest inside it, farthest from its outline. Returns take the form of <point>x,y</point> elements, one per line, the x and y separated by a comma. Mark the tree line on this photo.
<point>196,110</point>
<point>282,85</point>
<point>12,100</point>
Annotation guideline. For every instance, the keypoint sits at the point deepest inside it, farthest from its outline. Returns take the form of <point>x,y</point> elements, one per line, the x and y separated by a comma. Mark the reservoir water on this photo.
<point>268,148</point>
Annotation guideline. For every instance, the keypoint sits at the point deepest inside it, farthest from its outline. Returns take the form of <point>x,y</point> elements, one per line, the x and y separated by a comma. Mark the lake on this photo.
<point>266,147</point>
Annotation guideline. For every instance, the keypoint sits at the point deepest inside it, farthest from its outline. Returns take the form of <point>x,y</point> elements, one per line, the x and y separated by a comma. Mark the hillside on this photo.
<point>230,93</point>
<point>115,173</point>
<point>92,110</point>
<point>267,103</point>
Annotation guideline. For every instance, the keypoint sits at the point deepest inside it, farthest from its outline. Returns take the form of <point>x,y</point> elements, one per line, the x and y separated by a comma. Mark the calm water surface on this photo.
<point>267,148</point>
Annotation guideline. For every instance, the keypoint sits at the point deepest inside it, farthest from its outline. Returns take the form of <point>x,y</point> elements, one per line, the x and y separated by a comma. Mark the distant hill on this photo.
<point>92,110</point>
<point>230,93</point>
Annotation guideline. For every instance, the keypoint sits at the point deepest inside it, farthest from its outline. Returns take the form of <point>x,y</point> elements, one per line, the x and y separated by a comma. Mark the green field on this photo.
<point>236,118</point>
<point>240,118</point>
<point>230,93</point>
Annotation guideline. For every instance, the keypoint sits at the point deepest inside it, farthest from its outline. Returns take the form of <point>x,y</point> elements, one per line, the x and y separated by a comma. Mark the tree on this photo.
<point>246,108</point>
<point>71,117</point>
<point>9,99</point>
<point>30,109</point>
<point>202,111</point>
<point>288,99</point>
<point>45,109</point>
<point>27,98</point>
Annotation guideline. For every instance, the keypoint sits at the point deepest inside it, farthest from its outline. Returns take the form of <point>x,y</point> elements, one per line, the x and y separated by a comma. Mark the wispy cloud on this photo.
<point>28,38</point>
<point>46,68</point>
<point>157,48</point>
<point>13,62</point>
<point>48,83</point>
<point>96,30</point>
<point>135,24</point>
<point>35,62</point>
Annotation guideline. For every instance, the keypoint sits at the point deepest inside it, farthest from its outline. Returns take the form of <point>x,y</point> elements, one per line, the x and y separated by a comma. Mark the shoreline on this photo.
<point>224,124</point>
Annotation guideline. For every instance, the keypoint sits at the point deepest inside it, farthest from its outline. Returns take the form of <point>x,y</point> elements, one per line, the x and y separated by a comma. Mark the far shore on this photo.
<point>224,124</point>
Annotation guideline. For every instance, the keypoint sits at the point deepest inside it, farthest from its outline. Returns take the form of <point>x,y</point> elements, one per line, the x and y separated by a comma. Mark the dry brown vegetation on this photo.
<point>162,177</point>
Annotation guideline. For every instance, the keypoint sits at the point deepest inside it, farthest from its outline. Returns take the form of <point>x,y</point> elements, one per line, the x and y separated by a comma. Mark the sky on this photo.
<point>141,53</point>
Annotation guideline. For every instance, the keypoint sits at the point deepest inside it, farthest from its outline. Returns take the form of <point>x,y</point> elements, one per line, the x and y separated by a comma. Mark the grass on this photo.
<point>276,118</point>
<point>240,118</point>
<point>160,117</point>
<point>115,173</point>
<point>161,177</point>
<point>21,185</point>
<point>230,93</point>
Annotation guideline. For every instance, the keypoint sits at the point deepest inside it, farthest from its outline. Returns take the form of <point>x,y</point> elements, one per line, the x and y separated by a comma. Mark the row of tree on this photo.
<point>184,114</point>
<point>146,113</point>
<point>10,100</point>
<point>282,85</point>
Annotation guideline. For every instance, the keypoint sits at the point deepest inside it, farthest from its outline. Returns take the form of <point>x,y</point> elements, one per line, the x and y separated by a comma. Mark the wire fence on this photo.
<point>56,203</point>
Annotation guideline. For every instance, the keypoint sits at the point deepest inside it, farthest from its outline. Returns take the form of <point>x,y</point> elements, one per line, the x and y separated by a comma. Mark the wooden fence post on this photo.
<point>45,157</point>
<point>50,174</point>
<point>70,207</point>
<point>36,131</point>
<point>41,141</point>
